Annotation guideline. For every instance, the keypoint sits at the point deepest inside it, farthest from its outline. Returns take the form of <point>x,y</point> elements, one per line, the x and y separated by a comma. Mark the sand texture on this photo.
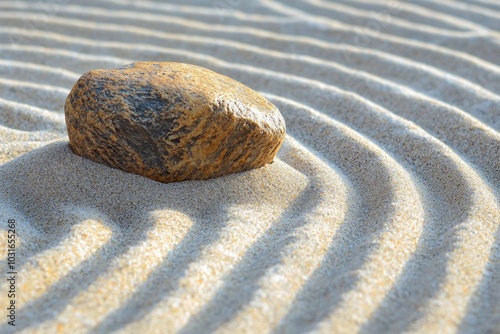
<point>380,214</point>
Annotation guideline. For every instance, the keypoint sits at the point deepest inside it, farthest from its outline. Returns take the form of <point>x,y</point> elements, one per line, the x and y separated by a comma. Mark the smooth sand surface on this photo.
<point>380,214</point>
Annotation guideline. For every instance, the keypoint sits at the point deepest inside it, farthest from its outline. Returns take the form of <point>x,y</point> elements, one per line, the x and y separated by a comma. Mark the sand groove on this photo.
<point>381,213</point>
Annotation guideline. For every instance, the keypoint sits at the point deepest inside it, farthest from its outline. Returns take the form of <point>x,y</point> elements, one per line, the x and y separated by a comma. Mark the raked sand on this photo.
<point>380,214</point>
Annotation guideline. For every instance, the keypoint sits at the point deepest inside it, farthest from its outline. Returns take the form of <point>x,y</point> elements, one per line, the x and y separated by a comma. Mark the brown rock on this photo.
<point>171,122</point>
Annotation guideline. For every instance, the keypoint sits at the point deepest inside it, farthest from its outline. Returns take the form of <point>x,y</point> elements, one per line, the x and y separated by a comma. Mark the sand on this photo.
<point>380,214</point>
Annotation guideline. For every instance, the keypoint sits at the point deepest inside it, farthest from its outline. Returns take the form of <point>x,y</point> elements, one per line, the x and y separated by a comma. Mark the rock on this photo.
<point>171,122</point>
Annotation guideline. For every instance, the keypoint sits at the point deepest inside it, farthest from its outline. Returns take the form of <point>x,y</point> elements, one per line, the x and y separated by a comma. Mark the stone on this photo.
<point>171,122</point>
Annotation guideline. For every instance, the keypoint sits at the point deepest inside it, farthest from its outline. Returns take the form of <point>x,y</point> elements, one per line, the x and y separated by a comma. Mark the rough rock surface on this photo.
<point>171,122</point>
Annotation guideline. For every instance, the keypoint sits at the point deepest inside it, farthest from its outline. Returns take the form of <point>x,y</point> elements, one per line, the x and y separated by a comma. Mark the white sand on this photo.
<point>380,215</point>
